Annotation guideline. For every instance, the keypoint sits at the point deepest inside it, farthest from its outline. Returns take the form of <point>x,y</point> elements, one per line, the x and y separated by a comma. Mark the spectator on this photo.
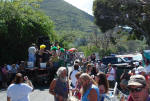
<point>0,76</point>
<point>88,69</point>
<point>138,89</point>
<point>4,76</point>
<point>146,62</point>
<point>54,61</point>
<point>19,91</point>
<point>21,68</point>
<point>14,69</point>
<point>131,72</point>
<point>76,91</point>
<point>59,87</point>
<point>111,75</point>
<point>54,58</point>
<point>102,67</point>
<point>79,64</point>
<point>72,75</point>
<point>31,53</point>
<point>136,65</point>
<point>93,57</point>
<point>13,72</point>
<point>94,71</point>
<point>41,54</point>
<point>17,65</point>
<point>102,81</point>
<point>62,57</point>
<point>124,81</point>
<point>84,64</point>
<point>89,90</point>
<point>103,85</point>
<point>141,70</point>
<point>9,67</point>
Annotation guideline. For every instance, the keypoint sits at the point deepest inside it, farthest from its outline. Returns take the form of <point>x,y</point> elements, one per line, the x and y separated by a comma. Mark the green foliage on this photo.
<point>71,24</point>
<point>21,25</point>
<point>67,17</point>
<point>88,50</point>
<point>69,39</point>
<point>114,41</point>
<point>133,13</point>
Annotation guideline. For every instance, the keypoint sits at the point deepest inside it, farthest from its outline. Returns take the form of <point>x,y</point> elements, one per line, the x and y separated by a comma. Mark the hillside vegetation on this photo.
<point>67,17</point>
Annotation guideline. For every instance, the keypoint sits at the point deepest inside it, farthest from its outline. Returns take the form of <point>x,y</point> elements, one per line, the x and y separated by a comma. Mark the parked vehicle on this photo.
<point>136,57</point>
<point>114,60</point>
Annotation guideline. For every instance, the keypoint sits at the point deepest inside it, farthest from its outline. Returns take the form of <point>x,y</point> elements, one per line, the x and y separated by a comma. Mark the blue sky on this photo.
<point>85,5</point>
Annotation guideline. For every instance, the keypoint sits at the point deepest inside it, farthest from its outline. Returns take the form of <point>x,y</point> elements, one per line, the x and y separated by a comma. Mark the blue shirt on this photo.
<point>85,96</point>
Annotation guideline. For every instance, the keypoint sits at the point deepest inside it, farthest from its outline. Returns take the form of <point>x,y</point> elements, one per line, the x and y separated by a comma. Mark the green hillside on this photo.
<point>67,17</point>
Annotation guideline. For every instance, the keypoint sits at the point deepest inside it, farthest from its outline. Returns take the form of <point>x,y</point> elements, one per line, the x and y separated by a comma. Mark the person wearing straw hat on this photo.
<point>138,88</point>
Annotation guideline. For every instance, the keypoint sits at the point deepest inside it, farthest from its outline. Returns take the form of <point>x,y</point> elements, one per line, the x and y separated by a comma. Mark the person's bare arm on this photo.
<point>8,98</point>
<point>30,84</point>
<point>27,81</point>
<point>52,87</point>
<point>93,95</point>
<point>51,90</point>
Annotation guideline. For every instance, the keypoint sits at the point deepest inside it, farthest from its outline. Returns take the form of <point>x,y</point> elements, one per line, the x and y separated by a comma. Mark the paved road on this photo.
<point>40,94</point>
<point>37,95</point>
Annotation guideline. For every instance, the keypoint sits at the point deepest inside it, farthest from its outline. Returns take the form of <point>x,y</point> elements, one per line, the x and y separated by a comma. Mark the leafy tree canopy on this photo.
<point>20,25</point>
<point>132,13</point>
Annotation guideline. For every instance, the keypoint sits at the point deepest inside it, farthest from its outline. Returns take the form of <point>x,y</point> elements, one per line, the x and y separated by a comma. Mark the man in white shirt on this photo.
<point>72,76</point>
<point>31,53</point>
<point>19,91</point>
<point>111,75</point>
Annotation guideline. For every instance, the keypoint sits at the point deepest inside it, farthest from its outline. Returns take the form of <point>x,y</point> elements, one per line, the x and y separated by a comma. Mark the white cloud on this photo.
<point>85,5</point>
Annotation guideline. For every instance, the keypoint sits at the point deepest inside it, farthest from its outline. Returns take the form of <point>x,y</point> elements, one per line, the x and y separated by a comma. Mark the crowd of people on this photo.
<point>38,58</point>
<point>90,79</point>
<point>90,83</point>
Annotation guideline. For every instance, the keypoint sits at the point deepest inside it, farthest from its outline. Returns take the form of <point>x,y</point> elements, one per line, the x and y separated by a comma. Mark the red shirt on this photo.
<point>130,98</point>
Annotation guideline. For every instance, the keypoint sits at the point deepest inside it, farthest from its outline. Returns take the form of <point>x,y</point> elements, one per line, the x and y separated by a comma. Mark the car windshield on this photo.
<point>109,60</point>
<point>138,57</point>
<point>127,58</point>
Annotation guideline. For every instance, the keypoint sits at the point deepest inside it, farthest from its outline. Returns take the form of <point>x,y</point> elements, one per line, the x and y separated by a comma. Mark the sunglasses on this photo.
<point>136,89</point>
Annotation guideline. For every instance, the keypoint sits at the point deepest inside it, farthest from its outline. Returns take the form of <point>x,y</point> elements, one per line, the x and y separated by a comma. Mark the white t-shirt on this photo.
<point>32,50</point>
<point>19,92</point>
<point>73,77</point>
<point>111,77</point>
<point>136,70</point>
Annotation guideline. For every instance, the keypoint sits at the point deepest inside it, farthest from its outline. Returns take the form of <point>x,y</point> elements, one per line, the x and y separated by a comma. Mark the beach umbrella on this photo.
<point>72,49</point>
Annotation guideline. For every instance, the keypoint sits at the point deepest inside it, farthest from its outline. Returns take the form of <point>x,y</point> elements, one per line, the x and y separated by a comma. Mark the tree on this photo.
<point>20,25</point>
<point>132,13</point>
<point>112,42</point>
